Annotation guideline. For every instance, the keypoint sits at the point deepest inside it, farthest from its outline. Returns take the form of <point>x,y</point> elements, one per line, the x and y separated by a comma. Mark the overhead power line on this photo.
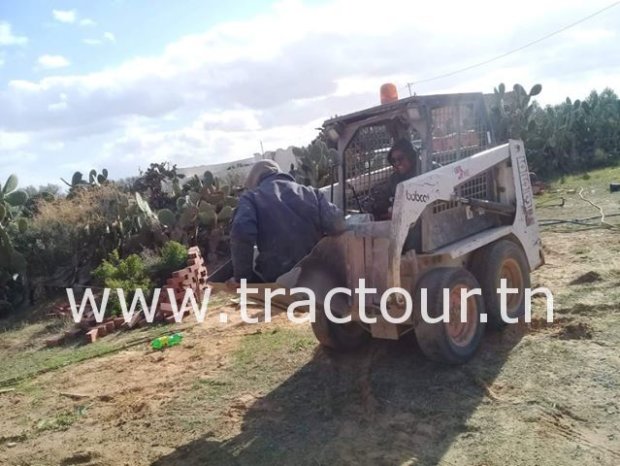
<point>518,49</point>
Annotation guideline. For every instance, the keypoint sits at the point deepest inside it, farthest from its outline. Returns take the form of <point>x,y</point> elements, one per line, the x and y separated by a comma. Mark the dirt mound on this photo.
<point>540,324</point>
<point>80,457</point>
<point>589,277</point>
<point>589,309</point>
<point>576,331</point>
<point>563,328</point>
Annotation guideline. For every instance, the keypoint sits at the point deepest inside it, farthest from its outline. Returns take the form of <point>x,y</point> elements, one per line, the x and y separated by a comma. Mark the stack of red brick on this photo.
<point>193,277</point>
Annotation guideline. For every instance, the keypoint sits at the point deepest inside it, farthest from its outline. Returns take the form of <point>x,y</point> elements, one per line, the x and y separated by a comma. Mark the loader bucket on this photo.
<point>323,269</point>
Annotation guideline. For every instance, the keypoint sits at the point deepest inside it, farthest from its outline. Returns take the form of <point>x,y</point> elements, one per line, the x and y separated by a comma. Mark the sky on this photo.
<point>119,84</point>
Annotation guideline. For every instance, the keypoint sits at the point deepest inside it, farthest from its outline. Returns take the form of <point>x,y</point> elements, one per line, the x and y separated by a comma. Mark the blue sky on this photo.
<point>123,83</point>
<point>141,27</point>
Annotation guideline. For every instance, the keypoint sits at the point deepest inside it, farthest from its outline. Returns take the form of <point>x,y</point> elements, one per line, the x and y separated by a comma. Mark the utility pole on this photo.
<point>409,87</point>
<point>262,151</point>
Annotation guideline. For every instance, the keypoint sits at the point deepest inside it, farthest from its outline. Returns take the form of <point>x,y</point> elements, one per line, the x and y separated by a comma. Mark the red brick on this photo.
<point>55,341</point>
<point>134,320</point>
<point>92,335</point>
<point>74,332</point>
<point>166,307</point>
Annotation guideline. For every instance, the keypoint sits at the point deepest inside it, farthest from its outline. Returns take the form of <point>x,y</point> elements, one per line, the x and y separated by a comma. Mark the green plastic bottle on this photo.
<point>166,340</point>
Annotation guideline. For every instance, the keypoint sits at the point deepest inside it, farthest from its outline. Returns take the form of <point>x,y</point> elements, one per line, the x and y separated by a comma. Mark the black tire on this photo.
<point>454,342</point>
<point>502,259</point>
<point>339,337</point>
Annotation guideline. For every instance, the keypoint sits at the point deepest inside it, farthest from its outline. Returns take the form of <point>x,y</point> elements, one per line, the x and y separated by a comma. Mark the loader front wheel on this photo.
<point>339,337</point>
<point>502,259</point>
<point>454,341</point>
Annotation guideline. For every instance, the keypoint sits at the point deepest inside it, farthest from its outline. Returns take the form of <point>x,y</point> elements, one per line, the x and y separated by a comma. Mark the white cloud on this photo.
<point>298,52</point>
<point>592,35</point>
<point>232,121</point>
<point>65,16</point>
<point>193,145</point>
<point>92,41</point>
<point>52,61</point>
<point>276,76</point>
<point>87,22</point>
<point>10,141</point>
<point>7,37</point>
<point>54,146</point>
<point>106,37</point>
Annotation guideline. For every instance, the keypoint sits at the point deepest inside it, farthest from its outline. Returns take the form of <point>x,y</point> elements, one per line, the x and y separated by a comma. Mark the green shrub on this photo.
<point>173,257</point>
<point>130,274</point>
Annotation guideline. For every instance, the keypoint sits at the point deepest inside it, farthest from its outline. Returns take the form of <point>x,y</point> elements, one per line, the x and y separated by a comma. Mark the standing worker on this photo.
<point>282,218</point>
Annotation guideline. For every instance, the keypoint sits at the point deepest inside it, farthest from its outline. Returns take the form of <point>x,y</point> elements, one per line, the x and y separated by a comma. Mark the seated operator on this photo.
<point>404,159</point>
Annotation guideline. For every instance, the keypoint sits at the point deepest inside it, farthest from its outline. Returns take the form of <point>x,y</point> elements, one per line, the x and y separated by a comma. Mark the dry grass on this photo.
<point>87,207</point>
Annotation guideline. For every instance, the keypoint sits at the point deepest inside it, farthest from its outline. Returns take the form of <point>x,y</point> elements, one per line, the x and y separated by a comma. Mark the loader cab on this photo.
<point>442,128</point>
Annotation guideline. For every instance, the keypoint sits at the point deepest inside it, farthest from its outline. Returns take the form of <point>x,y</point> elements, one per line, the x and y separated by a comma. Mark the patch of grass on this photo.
<point>213,388</point>
<point>21,363</point>
<point>595,186</point>
<point>62,420</point>
<point>259,364</point>
<point>28,363</point>
<point>266,351</point>
<point>596,178</point>
<point>32,390</point>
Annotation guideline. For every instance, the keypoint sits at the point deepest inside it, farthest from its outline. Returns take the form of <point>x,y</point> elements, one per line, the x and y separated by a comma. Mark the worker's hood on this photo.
<point>261,170</point>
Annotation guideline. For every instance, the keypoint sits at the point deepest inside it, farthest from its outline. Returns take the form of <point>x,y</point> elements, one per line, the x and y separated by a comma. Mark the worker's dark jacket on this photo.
<point>285,220</point>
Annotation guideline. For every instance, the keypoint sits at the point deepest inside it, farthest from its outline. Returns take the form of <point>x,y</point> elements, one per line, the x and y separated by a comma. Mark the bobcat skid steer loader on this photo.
<point>463,223</point>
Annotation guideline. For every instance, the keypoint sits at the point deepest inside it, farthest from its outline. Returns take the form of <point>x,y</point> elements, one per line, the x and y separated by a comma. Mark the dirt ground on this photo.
<point>537,394</point>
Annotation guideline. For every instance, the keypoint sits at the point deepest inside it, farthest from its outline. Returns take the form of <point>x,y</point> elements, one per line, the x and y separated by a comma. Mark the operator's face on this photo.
<point>401,163</point>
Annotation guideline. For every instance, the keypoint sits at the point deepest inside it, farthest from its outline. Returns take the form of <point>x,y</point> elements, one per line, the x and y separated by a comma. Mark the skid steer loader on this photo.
<point>465,221</point>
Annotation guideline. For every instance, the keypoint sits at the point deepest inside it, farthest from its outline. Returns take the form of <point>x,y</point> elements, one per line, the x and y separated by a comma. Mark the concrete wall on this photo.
<point>238,169</point>
<point>283,157</point>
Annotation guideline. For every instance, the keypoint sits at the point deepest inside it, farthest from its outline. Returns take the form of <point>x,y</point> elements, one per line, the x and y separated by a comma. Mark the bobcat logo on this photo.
<point>415,197</point>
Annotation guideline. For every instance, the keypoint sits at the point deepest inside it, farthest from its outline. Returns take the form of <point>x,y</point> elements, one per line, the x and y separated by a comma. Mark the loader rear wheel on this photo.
<point>455,341</point>
<point>502,259</point>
